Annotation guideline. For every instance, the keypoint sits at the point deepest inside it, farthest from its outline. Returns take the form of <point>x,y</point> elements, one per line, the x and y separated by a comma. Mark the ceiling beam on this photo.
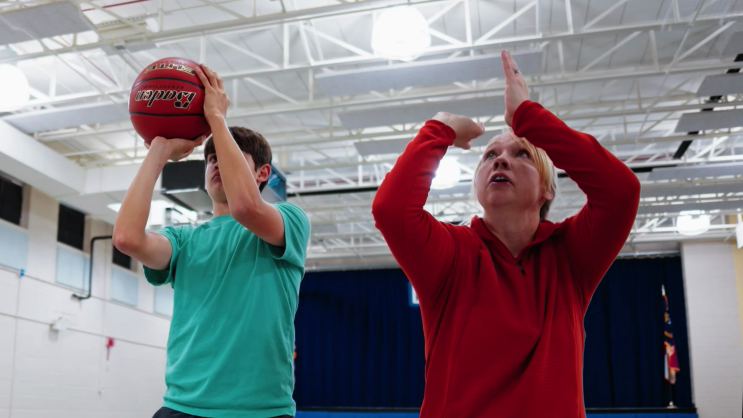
<point>35,164</point>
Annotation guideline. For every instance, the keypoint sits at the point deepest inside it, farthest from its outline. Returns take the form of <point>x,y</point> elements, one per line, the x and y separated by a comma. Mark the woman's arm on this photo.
<point>597,233</point>
<point>423,246</point>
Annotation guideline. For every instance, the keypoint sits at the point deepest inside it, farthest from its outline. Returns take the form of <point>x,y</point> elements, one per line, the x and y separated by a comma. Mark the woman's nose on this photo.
<point>501,162</point>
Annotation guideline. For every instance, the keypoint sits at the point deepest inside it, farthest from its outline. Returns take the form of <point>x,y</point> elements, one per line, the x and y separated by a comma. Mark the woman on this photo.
<point>503,299</point>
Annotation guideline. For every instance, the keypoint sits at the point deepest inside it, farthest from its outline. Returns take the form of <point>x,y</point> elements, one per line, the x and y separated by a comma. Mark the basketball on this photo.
<point>167,99</point>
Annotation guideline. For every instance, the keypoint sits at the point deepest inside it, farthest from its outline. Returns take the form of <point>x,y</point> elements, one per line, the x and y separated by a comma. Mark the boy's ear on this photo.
<point>264,172</point>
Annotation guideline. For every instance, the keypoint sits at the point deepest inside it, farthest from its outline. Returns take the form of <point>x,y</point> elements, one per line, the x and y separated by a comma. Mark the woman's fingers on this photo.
<point>507,69</point>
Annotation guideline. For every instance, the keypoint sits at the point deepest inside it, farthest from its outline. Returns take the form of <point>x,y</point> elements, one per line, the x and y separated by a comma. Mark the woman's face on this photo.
<point>507,177</point>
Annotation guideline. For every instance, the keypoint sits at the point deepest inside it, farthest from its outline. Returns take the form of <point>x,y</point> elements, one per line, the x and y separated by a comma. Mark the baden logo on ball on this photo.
<point>167,99</point>
<point>182,98</point>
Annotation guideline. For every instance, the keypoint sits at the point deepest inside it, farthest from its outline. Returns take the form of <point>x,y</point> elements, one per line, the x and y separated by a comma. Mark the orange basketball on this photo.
<point>167,99</point>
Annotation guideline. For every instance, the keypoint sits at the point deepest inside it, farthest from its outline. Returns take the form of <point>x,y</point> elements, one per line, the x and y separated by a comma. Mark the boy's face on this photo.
<point>213,180</point>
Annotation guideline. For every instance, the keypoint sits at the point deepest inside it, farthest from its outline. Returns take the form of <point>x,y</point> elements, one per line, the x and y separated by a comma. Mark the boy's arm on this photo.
<point>130,237</point>
<point>240,185</point>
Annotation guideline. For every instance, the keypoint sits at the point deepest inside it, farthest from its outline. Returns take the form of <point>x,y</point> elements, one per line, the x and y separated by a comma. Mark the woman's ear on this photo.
<point>548,195</point>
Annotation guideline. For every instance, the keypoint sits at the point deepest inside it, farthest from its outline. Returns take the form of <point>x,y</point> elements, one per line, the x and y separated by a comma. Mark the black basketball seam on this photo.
<point>169,114</point>
<point>166,78</point>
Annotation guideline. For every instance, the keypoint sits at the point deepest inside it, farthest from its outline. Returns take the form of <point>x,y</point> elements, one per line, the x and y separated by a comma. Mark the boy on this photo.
<point>236,277</point>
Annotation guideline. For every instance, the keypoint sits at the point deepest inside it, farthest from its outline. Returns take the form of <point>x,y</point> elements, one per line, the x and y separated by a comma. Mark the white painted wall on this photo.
<point>714,329</point>
<point>67,374</point>
<point>45,373</point>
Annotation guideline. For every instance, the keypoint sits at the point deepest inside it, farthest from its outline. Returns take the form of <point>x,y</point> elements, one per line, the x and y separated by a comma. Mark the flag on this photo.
<point>671,361</point>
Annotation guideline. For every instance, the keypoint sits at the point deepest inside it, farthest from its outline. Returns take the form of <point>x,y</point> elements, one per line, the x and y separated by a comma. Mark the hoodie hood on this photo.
<point>545,230</point>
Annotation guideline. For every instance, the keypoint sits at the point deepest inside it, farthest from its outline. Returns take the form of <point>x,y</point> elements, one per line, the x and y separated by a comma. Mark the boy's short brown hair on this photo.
<point>250,142</point>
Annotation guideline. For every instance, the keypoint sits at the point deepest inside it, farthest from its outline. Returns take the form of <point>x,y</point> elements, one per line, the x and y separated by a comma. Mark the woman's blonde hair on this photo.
<point>544,166</point>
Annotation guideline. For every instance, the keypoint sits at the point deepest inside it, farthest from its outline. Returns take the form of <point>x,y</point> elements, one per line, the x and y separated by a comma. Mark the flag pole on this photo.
<point>669,371</point>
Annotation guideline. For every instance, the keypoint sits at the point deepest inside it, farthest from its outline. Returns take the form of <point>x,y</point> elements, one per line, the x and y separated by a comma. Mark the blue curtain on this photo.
<point>360,343</point>
<point>623,363</point>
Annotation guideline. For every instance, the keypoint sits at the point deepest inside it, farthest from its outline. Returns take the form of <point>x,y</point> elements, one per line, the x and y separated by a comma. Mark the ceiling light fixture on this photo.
<point>14,88</point>
<point>447,175</point>
<point>693,222</point>
<point>400,33</point>
<point>179,215</point>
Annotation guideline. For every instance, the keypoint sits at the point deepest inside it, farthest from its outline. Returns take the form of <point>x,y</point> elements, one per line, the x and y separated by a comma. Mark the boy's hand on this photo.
<point>175,149</point>
<point>215,101</point>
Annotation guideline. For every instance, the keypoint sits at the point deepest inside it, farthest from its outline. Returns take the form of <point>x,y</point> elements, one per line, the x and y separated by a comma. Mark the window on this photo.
<point>71,227</point>
<point>164,300</point>
<point>13,247</point>
<point>121,259</point>
<point>11,201</point>
<point>124,286</point>
<point>73,268</point>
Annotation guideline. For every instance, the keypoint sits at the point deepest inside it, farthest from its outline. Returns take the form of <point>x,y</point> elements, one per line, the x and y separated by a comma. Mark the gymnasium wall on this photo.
<point>67,374</point>
<point>714,327</point>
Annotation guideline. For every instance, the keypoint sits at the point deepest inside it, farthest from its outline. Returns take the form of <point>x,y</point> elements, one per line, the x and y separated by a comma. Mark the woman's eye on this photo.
<point>489,154</point>
<point>522,153</point>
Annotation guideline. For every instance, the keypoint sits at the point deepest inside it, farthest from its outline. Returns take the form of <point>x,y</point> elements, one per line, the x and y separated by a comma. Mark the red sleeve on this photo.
<point>422,246</point>
<point>597,233</point>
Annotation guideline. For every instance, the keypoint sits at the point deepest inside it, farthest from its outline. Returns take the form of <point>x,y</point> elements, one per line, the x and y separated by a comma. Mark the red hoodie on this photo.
<point>504,335</point>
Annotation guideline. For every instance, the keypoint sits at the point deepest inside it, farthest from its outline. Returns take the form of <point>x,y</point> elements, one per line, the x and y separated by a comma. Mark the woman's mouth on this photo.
<point>500,180</point>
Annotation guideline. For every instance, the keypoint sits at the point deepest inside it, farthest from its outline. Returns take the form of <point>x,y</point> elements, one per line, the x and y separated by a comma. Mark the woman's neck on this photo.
<point>515,230</point>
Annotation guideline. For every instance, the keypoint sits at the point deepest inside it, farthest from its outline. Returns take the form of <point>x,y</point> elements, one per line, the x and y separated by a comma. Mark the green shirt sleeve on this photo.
<point>296,234</point>
<point>177,237</point>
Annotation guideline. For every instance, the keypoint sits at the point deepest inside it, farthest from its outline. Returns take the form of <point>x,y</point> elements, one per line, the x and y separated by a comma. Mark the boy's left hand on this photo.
<point>215,100</point>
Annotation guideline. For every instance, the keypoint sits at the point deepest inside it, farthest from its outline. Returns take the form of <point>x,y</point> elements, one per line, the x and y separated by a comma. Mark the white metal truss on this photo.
<point>603,73</point>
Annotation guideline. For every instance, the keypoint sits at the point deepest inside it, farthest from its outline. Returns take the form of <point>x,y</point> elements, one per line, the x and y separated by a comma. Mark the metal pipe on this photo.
<point>90,272</point>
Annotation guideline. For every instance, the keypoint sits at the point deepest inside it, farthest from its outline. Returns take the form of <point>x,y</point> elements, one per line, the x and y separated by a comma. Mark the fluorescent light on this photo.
<point>14,88</point>
<point>423,73</point>
<point>705,121</point>
<point>68,116</point>
<point>420,112</point>
<point>44,21</point>
<point>696,171</point>
<point>735,44</point>
<point>693,222</point>
<point>447,175</point>
<point>400,33</point>
<point>157,212</point>
<point>152,24</point>
<point>721,84</point>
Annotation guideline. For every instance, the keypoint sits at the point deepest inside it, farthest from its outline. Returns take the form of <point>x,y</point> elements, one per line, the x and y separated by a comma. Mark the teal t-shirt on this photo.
<point>232,333</point>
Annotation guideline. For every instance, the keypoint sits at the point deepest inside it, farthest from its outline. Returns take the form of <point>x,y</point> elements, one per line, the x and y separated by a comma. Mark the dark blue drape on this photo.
<point>623,357</point>
<point>360,343</point>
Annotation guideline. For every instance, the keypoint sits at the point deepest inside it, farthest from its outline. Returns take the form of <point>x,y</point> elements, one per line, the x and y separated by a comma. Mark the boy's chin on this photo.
<point>217,194</point>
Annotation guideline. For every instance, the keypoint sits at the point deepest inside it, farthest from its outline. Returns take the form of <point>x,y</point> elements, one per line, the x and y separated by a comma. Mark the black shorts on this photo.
<point>169,413</point>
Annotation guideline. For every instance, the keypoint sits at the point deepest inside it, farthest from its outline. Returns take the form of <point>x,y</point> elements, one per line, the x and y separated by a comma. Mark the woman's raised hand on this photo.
<point>516,89</point>
<point>465,128</point>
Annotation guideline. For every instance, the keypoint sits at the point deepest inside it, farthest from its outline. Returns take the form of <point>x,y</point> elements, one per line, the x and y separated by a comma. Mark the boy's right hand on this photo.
<point>176,149</point>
